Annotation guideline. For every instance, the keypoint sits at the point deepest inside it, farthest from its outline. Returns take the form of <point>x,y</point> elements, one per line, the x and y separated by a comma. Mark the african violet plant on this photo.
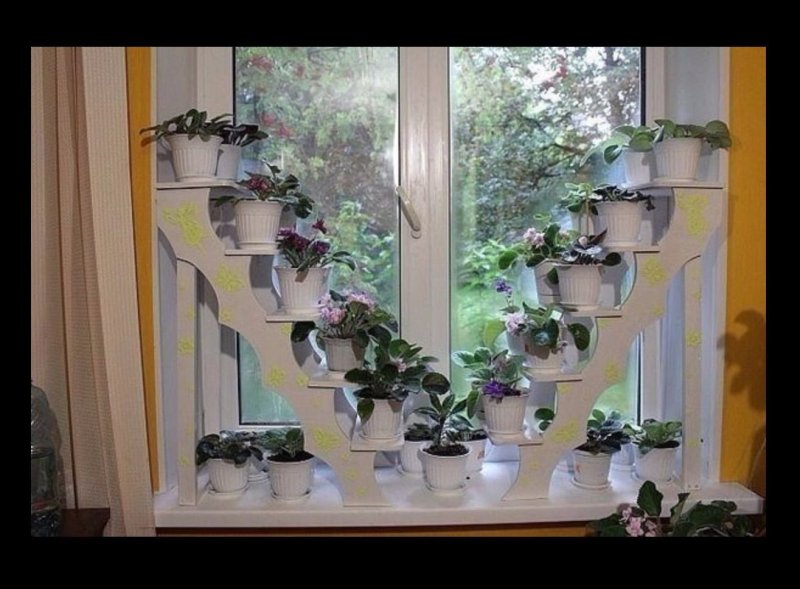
<point>536,247</point>
<point>587,251</point>
<point>544,326</point>
<point>643,519</point>
<point>241,135</point>
<point>303,253</point>
<point>273,188</point>
<point>285,445</point>
<point>613,193</point>
<point>353,315</point>
<point>226,445</point>
<point>444,414</point>
<point>604,434</point>
<point>397,370</point>
<point>496,375</point>
<point>715,133</point>
<point>193,123</point>
<point>654,434</point>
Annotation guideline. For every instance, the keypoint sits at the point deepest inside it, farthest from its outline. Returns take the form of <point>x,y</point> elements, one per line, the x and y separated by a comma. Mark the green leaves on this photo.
<point>192,123</point>
<point>364,408</point>
<point>435,383</point>
<point>507,258</point>
<point>301,330</point>
<point>580,334</point>
<point>715,133</point>
<point>545,415</point>
<point>650,498</point>
<point>359,376</point>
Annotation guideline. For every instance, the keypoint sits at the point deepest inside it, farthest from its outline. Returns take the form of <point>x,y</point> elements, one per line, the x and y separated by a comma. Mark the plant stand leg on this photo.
<point>186,383</point>
<point>692,464</point>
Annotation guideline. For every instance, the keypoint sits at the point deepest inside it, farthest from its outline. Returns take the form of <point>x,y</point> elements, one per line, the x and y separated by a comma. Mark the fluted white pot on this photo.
<point>228,163</point>
<point>256,470</point>
<point>226,476</point>
<point>583,223</point>
<point>580,285</point>
<point>291,480</point>
<point>505,415</point>
<point>476,456</point>
<point>657,465</point>
<point>342,355</point>
<point>637,166</point>
<point>624,459</point>
<point>591,470</point>
<point>543,359</point>
<point>385,421</point>
<point>622,221</point>
<point>516,344</point>
<point>677,158</point>
<point>257,223</point>
<point>194,160</point>
<point>546,291</point>
<point>301,291</point>
<point>566,463</point>
<point>444,473</point>
<point>409,457</point>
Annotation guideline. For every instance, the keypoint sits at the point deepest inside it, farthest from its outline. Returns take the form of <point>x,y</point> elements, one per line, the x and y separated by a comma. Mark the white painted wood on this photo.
<point>655,86</point>
<point>412,505</point>
<point>529,436</point>
<point>267,250</point>
<point>691,464</point>
<point>209,347</point>
<point>187,393</point>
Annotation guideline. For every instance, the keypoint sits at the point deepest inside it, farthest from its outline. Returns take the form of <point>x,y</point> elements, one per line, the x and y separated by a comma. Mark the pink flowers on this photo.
<point>342,318</point>
<point>361,297</point>
<point>515,322</point>
<point>636,526</point>
<point>333,316</point>
<point>533,238</point>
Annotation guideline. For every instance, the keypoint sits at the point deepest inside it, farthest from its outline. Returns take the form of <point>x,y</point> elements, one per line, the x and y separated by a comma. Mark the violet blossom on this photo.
<point>533,237</point>
<point>320,247</point>
<point>515,322</point>
<point>496,389</point>
<point>502,286</point>
<point>319,225</point>
<point>361,297</point>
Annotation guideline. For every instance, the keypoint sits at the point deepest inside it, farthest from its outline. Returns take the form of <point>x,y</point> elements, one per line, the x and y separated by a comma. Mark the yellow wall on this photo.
<point>744,407</point>
<point>744,411</point>
<point>139,96</point>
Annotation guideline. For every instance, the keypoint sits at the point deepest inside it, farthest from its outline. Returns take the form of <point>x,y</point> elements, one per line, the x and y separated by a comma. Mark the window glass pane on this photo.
<point>521,119</point>
<point>331,114</point>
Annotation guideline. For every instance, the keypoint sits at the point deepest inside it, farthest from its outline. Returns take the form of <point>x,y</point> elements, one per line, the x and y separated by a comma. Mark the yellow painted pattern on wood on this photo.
<point>185,217</point>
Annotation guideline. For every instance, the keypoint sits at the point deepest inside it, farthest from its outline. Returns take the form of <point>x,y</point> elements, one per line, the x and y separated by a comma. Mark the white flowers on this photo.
<point>533,237</point>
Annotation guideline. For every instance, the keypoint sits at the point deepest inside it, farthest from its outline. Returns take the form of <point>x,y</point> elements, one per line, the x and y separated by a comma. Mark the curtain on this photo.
<point>84,316</point>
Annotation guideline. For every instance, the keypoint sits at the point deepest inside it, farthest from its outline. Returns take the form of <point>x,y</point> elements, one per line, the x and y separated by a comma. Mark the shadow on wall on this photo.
<point>747,355</point>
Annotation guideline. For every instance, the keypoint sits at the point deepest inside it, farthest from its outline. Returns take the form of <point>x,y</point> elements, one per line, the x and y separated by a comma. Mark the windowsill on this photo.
<point>414,505</point>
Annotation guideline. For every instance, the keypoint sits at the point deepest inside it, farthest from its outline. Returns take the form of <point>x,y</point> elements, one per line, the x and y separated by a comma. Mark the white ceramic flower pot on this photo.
<point>194,160</point>
<point>591,470</point>
<point>516,344</point>
<point>409,456</point>
<point>657,465</point>
<point>476,455</point>
<point>637,166</point>
<point>546,291</point>
<point>566,464</point>
<point>505,415</point>
<point>385,421</point>
<point>677,158</point>
<point>580,286</point>
<point>622,221</point>
<point>228,163</point>
<point>257,223</point>
<point>542,359</point>
<point>226,476</point>
<point>301,291</point>
<point>623,460</point>
<point>256,470</point>
<point>291,480</point>
<point>444,473</point>
<point>342,355</point>
<point>583,223</point>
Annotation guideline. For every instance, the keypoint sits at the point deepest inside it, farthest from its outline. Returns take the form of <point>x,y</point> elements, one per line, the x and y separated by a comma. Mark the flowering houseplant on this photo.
<point>643,519</point>
<point>302,253</point>
<point>587,251</point>
<point>274,188</point>
<point>536,247</point>
<point>544,326</point>
<point>397,370</point>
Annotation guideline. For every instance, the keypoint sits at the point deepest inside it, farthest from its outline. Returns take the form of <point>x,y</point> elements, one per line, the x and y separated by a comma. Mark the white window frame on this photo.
<point>425,175</point>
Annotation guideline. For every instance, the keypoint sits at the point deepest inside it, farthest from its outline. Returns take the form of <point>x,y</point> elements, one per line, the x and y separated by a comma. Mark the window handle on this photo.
<point>407,206</point>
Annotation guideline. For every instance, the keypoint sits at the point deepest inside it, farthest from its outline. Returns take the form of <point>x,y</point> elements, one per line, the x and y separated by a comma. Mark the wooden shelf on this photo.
<point>325,379</point>
<point>267,250</point>
<point>281,316</point>
<point>210,183</point>
<point>650,249</point>
<point>551,376</point>
<point>594,312</point>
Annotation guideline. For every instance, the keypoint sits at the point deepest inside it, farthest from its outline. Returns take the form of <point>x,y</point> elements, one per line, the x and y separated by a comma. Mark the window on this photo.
<point>519,118</point>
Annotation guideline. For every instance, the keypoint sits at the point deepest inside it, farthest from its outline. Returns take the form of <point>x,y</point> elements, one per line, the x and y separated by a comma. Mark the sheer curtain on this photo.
<point>84,326</point>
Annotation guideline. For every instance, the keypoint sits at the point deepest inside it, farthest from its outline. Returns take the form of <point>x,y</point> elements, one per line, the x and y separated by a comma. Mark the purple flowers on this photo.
<point>498,389</point>
<point>320,247</point>
<point>533,238</point>
<point>504,287</point>
<point>319,225</point>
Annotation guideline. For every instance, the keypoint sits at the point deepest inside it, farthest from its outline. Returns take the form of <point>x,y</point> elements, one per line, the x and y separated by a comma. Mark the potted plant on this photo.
<point>643,519</point>
<point>304,280</point>
<point>291,468</point>
<point>677,147</point>
<point>578,270</point>
<point>543,330</point>
<point>416,436</point>
<point>538,250</point>
<point>444,461</point>
<point>578,204</point>
<point>258,218</point>
<point>234,138</point>
<point>635,145</point>
<point>473,438</point>
<point>619,213</point>
<point>228,457</point>
<point>385,382</point>
<point>257,470</point>
<point>494,378</point>
<point>656,448</point>
<point>347,324</point>
<point>592,459</point>
<point>194,141</point>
